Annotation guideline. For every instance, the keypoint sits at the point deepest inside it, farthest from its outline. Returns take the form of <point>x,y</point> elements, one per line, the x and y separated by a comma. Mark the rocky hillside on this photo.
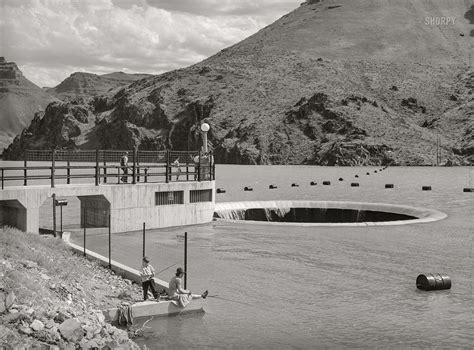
<point>87,84</point>
<point>334,82</point>
<point>20,99</point>
<point>73,292</point>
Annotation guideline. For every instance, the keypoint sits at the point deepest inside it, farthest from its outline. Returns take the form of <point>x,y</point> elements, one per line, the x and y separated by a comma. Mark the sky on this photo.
<point>51,39</point>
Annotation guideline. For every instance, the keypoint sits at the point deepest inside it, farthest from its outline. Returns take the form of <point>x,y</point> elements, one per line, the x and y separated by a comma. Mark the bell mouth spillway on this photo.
<point>323,213</point>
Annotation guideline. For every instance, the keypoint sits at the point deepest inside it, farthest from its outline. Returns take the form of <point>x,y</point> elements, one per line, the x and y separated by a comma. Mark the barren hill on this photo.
<point>81,84</point>
<point>20,99</point>
<point>333,82</point>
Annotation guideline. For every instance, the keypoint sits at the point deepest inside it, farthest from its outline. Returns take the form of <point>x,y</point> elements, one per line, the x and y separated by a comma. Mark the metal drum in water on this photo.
<point>431,281</point>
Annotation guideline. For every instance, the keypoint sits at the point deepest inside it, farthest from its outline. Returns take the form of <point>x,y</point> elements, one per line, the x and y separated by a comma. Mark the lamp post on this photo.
<point>60,203</point>
<point>205,128</point>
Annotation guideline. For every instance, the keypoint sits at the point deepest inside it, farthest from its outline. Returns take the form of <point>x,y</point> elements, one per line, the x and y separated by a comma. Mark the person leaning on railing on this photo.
<point>124,165</point>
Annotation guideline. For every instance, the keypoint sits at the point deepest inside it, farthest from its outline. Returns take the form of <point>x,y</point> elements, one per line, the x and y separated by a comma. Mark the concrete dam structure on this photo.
<point>165,197</point>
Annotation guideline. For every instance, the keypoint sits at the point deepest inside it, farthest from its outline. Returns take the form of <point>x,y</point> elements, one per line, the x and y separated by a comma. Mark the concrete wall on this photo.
<point>130,205</point>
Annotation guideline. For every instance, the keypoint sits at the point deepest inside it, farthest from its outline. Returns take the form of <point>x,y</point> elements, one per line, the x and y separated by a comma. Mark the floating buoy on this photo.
<point>326,183</point>
<point>248,188</point>
<point>388,185</point>
<point>368,173</point>
<point>312,183</point>
<point>294,185</point>
<point>220,190</point>
<point>355,184</point>
<point>375,171</point>
<point>341,179</point>
<point>272,187</point>
<point>426,188</point>
<point>431,281</point>
<point>356,176</point>
<point>467,189</point>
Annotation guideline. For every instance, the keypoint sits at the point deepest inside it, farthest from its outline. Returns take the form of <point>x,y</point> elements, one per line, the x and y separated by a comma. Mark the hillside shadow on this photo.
<point>469,15</point>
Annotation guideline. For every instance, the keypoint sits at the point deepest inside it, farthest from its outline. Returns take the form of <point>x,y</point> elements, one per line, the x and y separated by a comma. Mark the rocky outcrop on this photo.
<point>20,99</point>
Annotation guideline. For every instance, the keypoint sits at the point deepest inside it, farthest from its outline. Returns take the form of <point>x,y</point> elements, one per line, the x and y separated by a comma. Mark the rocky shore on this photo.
<point>51,298</point>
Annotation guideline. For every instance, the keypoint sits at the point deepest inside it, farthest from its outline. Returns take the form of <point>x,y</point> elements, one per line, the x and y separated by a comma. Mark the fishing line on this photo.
<point>234,301</point>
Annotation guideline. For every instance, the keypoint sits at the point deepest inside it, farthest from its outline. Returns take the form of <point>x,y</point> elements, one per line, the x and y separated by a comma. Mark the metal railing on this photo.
<point>143,166</point>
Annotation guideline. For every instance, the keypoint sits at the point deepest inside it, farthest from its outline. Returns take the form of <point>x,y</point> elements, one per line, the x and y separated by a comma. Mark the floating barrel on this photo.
<point>326,183</point>
<point>272,187</point>
<point>312,183</point>
<point>356,176</point>
<point>355,184</point>
<point>426,188</point>
<point>341,179</point>
<point>294,185</point>
<point>220,190</point>
<point>431,281</point>
<point>248,188</point>
<point>388,185</point>
<point>467,189</point>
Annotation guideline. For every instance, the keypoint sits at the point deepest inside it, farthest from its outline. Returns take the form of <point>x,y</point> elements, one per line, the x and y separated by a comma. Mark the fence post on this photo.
<point>134,169</point>
<point>53,167</point>
<point>25,174</point>
<point>167,165</point>
<point>185,258</point>
<point>68,170</point>
<point>110,243</point>
<point>54,214</point>
<point>97,167</point>
<point>3,173</point>
<point>144,239</point>
<point>84,223</point>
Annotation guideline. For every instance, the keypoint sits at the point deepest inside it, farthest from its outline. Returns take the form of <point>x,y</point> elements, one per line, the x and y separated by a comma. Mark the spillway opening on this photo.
<point>312,215</point>
<point>320,213</point>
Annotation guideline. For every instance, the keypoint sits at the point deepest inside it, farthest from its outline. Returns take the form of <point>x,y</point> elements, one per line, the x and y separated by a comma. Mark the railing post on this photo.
<point>134,169</point>
<point>25,174</point>
<point>97,167</point>
<point>68,171</point>
<point>3,173</point>
<point>146,174</point>
<point>199,167</point>
<point>167,165</point>
<point>84,223</point>
<point>53,167</point>
<point>104,155</point>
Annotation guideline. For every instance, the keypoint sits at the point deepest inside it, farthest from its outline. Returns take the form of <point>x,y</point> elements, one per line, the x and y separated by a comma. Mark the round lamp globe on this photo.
<point>205,127</point>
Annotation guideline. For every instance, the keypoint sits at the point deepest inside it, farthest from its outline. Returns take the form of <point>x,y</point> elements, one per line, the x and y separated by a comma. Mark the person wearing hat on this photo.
<point>177,293</point>
<point>124,165</point>
<point>147,273</point>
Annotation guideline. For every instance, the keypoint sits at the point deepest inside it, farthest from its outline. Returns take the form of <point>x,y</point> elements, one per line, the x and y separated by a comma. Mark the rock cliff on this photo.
<point>340,82</point>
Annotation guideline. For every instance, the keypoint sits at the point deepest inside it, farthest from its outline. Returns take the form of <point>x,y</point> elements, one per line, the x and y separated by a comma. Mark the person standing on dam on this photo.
<point>124,165</point>
<point>147,273</point>
<point>177,293</point>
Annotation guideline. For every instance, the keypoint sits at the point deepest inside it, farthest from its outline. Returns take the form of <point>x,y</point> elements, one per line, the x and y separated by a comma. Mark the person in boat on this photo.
<point>177,293</point>
<point>124,165</point>
<point>147,273</point>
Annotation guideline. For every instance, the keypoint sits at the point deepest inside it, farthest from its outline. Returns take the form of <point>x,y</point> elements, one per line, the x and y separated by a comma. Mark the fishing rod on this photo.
<point>157,273</point>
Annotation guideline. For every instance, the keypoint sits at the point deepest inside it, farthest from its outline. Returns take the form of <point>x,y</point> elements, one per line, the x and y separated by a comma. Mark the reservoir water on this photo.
<point>317,287</point>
